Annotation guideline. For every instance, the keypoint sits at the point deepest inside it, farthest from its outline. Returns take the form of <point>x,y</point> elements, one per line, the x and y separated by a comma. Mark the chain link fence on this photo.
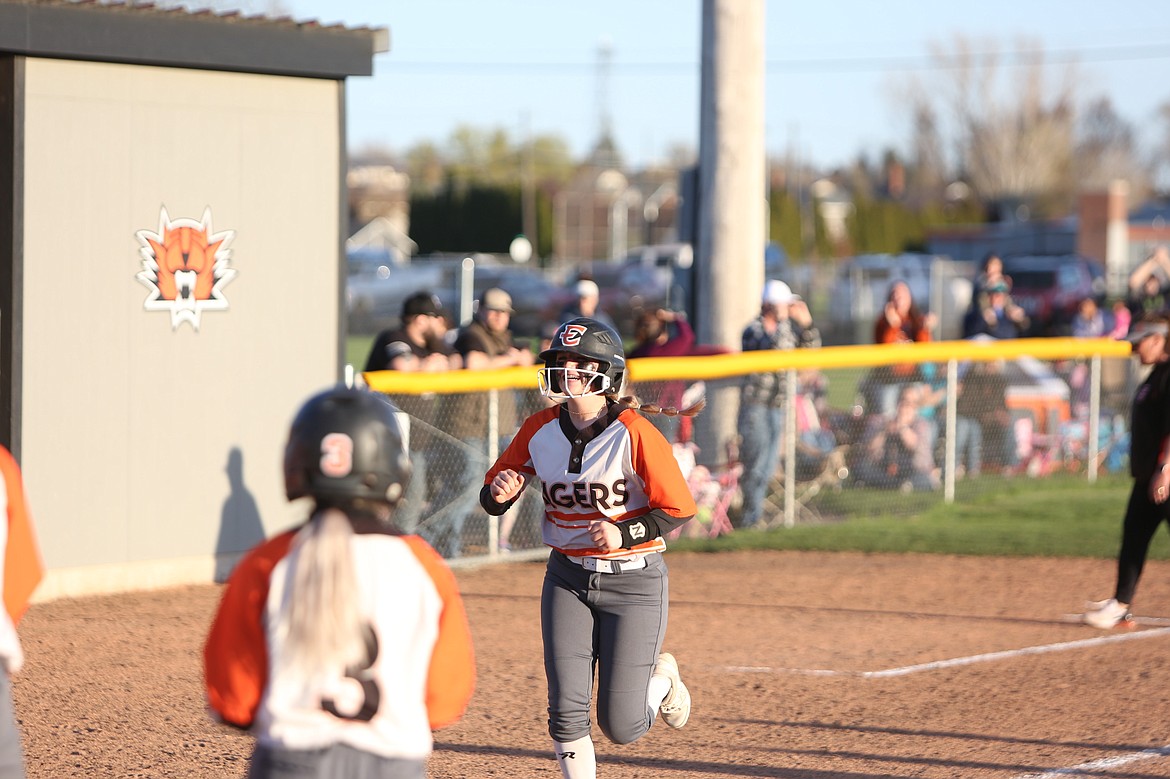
<point>877,430</point>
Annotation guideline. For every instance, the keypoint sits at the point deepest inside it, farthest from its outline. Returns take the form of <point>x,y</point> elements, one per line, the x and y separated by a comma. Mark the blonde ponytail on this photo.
<point>325,627</point>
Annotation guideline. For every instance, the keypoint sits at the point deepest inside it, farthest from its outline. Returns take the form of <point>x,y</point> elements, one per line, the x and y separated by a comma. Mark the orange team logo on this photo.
<point>571,336</point>
<point>185,265</point>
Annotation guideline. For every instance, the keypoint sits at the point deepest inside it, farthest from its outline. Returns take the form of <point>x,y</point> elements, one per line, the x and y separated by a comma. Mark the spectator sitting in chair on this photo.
<point>896,452</point>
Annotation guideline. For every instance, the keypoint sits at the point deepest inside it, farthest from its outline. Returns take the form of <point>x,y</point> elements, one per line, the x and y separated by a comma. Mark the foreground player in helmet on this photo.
<point>612,491</point>
<point>341,643</point>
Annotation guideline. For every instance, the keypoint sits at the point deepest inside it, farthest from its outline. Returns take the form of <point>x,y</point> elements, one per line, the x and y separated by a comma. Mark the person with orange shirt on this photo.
<point>22,573</point>
<point>901,321</point>
<point>612,491</point>
<point>341,643</point>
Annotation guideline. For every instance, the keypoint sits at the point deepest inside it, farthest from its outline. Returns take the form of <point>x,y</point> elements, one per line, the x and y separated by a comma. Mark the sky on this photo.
<point>833,74</point>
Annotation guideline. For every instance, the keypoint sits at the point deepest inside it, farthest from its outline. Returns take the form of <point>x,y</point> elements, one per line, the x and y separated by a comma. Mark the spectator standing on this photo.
<point>341,643</point>
<point>1148,286</point>
<point>419,345</point>
<point>1149,464</point>
<point>485,343</point>
<point>900,322</point>
<point>784,323</point>
<point>21,573</point>
<point>588,304</point>
<point>981,404</point>
<point>990,274</point>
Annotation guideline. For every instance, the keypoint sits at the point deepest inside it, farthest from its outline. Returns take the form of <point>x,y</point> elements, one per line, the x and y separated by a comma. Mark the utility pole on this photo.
<point>732,190</point>
<point>729,257</point>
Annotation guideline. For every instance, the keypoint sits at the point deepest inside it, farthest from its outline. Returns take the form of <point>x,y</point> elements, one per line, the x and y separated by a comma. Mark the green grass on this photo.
<point>357,349</point>
<point>1056,516</point>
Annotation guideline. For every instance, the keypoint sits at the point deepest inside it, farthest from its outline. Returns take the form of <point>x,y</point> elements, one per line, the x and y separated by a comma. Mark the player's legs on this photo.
<point>632,612</point>
<point>1142,517</point>
<point>567,627</point>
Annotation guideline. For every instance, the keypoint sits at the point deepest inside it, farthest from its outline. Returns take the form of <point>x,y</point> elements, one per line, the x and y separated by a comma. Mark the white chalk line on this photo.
<point>987,657</point>
<point>1103,764</point>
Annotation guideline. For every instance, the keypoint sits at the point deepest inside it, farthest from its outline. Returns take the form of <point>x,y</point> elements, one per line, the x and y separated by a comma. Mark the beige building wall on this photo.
<point>149,449</point>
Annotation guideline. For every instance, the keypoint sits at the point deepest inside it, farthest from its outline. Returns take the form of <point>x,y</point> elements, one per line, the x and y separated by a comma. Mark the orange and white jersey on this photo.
<point>621,472</point>
<point>422,671</point>
<point>23,568</point>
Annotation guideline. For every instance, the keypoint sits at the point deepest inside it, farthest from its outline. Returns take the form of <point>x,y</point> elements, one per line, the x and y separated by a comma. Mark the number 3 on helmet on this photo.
<point>591,341</point>
<point>345,445</point>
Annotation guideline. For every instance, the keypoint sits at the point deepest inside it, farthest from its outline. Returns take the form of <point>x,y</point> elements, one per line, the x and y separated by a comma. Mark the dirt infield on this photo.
<point>801,665</point>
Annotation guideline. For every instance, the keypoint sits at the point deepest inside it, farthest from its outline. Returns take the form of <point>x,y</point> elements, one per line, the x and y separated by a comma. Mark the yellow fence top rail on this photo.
<point>722,366</point>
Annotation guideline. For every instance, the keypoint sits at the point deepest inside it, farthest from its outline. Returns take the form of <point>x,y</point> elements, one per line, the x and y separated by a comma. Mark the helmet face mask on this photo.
<point>557,381</point>
<point>347,445</point>
<point>596,350</point>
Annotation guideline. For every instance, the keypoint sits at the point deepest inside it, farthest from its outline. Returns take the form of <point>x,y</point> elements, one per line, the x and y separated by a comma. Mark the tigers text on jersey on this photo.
<point>619,472</point>
<point>422,670</point>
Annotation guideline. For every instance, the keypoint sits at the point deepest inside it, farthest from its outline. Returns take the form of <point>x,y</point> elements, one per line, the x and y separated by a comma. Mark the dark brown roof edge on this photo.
<point>146,35</point>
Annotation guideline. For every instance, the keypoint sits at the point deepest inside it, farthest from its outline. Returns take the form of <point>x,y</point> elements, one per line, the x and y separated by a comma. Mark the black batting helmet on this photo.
<point>588,338</point>
<point>346,444</point>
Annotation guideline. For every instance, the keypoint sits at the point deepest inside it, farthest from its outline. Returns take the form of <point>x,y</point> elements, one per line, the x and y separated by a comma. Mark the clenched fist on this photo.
<point>506,485</point>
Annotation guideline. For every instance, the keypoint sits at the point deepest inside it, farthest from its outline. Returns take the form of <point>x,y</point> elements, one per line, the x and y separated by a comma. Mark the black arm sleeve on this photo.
<point>647,527</point>
<point>489,503</point>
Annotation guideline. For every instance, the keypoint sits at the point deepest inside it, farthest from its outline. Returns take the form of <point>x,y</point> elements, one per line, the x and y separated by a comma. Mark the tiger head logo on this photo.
<point>185,266</point>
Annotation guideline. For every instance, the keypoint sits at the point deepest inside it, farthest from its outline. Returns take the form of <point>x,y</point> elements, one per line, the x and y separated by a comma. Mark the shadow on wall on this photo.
<point>240,527</point>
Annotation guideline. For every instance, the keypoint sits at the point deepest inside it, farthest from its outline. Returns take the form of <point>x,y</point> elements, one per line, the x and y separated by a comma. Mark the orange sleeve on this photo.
<point>883,333</point>
<point>23,567</point>
<point>451,677</point>
<point>654,462</point>
<point>515,456</point>
<point>235,657</point>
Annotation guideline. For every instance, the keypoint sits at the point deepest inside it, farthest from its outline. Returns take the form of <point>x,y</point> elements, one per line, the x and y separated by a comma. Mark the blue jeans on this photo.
<point>761,430</point>
<point>968,444</point>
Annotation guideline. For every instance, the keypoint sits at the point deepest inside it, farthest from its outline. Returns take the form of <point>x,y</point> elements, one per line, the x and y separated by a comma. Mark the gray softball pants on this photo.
<point>335,762</point>
<point>611,623</point>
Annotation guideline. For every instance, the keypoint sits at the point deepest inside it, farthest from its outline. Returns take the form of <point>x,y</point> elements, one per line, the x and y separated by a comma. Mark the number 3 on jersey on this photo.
<point>371,695</point>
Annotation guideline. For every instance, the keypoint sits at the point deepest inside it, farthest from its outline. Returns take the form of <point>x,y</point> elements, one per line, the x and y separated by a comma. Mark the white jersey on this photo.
<point>619,472</point>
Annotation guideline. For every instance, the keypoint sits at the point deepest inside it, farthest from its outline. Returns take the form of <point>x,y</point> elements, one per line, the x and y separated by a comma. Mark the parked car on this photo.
<point>937,284</point>
<point>535,299</point>
<point>1050,288</point>
<point>375,288</point>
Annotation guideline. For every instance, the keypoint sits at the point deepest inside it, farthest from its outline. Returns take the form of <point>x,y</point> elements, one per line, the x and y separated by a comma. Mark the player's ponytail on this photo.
<point>651,408</point>
<point>325,628</point>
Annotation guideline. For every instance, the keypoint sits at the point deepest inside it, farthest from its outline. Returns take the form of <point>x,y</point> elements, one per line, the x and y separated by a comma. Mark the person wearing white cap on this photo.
<point>588,304</point>
<point>784,323</point>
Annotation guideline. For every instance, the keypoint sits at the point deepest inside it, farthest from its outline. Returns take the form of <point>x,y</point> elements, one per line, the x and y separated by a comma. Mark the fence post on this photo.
<point>790,448</point>
<point>1094,416</point>
<point>951,432</point>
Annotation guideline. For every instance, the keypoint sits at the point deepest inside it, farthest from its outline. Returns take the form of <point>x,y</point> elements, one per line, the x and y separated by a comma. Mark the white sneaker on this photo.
<point>1107,614</point>
<point>676,708</point>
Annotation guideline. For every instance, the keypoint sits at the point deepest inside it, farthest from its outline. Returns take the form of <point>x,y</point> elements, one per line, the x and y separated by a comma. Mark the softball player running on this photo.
<point>342,643</point>
<point>612,491</point>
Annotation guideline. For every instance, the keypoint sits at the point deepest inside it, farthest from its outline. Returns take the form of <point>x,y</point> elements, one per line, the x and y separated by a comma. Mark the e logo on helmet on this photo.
<point>571,335</point>
<point>337,455</point>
